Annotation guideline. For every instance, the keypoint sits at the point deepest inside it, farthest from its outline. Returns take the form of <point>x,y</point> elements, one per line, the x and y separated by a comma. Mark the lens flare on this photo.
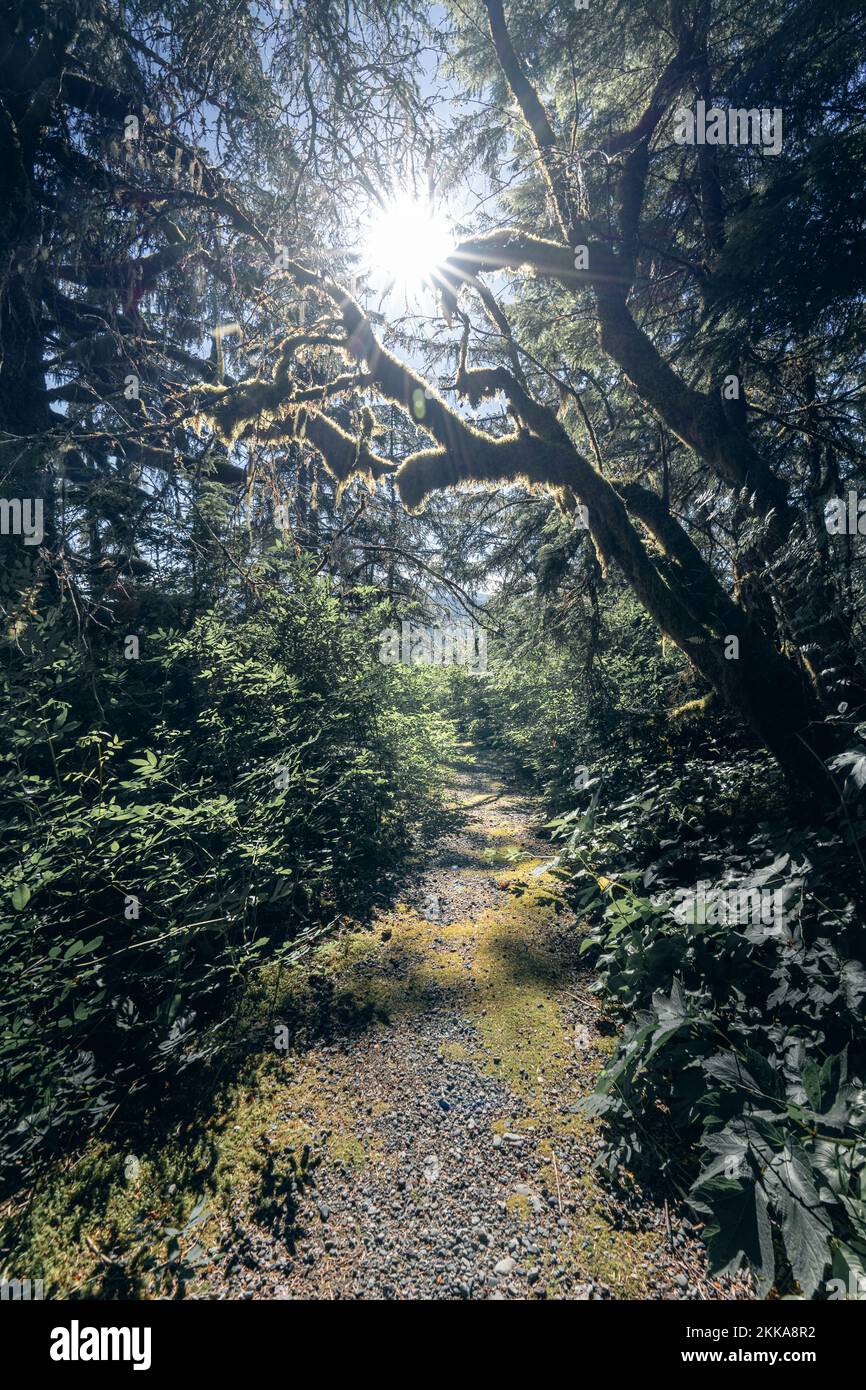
<point>407,241</point>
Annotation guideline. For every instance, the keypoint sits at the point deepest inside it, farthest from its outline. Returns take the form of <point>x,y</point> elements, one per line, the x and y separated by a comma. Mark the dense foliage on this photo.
<point>173,821</point>
<point>610,429</point>
<point>744,1037</point>
<point>729,948</point>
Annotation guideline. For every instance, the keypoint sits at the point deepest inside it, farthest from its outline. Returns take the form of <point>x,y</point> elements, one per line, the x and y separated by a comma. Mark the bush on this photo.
<point>739,1077</point>
<point>552,705</point>
<point>741,1072</point>
<point>172,822</point>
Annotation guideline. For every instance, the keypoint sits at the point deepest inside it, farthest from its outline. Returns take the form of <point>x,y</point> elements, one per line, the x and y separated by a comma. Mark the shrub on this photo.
<point>740,1075</point>
<point>171,823</point>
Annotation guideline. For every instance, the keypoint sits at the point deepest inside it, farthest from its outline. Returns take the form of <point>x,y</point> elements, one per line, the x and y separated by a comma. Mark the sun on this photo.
<point>408,239</point>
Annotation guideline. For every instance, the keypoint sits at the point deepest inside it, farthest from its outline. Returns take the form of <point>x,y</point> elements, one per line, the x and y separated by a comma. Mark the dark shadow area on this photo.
<point>176,1112</point>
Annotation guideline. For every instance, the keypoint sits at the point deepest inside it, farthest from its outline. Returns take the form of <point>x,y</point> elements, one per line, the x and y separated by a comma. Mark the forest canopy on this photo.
<point>319,318</point>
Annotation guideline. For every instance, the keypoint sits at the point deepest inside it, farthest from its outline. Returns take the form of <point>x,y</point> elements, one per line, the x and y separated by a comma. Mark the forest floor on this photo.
<point>422,1134</point>
<point>450,1157</point>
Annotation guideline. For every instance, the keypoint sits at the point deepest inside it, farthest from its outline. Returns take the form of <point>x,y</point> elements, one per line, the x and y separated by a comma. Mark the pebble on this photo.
<point>431,1168</point>
<point>421,1216</point>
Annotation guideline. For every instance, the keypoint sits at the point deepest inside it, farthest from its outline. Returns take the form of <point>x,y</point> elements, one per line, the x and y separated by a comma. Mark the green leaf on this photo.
<point>806,1228</point>
<point>746,1071</point>
<point>737,1225</point>
<point>848,1267</point>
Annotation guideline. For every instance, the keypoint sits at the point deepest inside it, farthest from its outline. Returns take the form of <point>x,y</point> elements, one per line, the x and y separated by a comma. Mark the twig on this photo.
<point>668,1224</point>
<point>556,1175</point>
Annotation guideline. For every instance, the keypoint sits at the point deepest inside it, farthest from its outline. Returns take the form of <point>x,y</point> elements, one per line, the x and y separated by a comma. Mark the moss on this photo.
<point>514,994</point>
<point>520,1206</point>
<point>90,1230</point>
<point>504,970</point>
<point>518,1017</point>
<point>594,1249</point>
<point>348,1150</point>
<point>693,710</point>
<point>503,854</point>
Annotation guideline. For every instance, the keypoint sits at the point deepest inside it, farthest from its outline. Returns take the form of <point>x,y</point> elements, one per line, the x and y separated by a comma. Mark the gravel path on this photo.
<point>455,1162</point>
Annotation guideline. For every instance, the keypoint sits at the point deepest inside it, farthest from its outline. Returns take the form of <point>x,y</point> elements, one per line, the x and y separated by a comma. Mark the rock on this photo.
<point>506,1266</point>
<point>431,1168</point>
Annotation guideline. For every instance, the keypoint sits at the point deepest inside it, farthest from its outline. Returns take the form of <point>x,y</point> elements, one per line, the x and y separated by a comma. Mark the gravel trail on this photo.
<point>454,1159</point>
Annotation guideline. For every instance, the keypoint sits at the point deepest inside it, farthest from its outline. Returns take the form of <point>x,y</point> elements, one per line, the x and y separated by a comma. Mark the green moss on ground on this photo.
<point>98,1225</point>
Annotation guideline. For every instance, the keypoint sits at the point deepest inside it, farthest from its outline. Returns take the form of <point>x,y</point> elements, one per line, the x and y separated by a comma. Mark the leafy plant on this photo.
<point>244,784</point>
<point>739,1075</point>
